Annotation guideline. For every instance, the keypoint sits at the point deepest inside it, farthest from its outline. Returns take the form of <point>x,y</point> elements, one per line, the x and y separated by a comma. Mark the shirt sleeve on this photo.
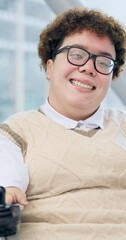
<point>13,170</point>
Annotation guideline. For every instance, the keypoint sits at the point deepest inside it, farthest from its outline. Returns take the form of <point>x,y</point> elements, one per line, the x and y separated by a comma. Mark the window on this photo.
<point>22,84</point>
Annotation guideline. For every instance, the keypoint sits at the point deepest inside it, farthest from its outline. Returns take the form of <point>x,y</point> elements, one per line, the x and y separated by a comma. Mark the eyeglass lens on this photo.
<point>79,57</point>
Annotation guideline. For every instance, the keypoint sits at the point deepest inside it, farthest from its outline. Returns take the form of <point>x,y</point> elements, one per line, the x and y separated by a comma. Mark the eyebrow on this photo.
<point>107,54</point>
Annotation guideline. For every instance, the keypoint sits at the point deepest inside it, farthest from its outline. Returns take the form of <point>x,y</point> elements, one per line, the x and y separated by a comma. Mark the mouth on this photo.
<point>82,85</point>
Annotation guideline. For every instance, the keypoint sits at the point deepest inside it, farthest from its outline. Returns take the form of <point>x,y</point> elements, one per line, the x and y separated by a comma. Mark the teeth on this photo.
<point>80,84</point>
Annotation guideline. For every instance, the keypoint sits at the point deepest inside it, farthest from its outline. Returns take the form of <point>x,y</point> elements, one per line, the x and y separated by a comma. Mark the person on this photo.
<point>65,162</point>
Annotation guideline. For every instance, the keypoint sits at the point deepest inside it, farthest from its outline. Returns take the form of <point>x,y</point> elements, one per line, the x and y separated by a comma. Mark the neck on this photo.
<point>73,113</point>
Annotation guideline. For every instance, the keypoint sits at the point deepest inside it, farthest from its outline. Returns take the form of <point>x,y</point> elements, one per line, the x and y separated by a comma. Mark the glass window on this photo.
<point>23,84</point>
<point>7,30</point>
<point>8,5</point>
<point>35,82</point>
<point>7,103</point>
<point>39,10</point>
<point>32,34</point>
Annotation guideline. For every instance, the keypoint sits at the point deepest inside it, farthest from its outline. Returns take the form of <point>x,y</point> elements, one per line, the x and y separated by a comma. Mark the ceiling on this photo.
<point>116,8</point>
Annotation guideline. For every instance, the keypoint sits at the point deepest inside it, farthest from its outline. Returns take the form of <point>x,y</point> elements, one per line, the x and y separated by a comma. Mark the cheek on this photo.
<point>106,82</point>
<point>63,71</point>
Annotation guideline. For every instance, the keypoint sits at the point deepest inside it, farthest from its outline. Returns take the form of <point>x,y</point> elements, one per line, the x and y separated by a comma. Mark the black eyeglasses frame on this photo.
<point>91,56</point>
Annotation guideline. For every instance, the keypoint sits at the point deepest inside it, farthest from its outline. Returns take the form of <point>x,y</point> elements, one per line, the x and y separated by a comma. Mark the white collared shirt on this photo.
<point>96,120</point>
<point>13,171</point>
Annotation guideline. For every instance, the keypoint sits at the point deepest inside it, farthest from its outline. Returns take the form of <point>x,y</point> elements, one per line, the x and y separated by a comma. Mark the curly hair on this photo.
<point>77,20</point>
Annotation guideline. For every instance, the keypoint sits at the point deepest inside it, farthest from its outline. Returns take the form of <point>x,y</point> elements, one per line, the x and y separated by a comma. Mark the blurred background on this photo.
<point>23,85</point>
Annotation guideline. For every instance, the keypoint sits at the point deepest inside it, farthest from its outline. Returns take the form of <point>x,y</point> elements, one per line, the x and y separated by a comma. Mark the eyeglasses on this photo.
<point>79,56</point>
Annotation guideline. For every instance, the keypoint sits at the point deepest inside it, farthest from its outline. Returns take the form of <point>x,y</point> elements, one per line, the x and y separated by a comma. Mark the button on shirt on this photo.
<point>13,170</point>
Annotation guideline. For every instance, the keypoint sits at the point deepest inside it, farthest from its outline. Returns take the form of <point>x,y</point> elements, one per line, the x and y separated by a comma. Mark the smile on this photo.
<point>82,85</point>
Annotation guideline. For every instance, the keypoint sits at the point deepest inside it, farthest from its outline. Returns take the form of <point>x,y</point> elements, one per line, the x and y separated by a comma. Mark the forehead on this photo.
<point>91,41</point>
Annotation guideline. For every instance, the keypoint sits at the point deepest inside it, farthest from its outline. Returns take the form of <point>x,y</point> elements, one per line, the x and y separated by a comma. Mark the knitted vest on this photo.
<point>77,187</point>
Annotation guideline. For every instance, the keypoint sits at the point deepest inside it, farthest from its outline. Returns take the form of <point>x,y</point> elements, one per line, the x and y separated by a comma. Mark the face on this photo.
<point>76,92</point>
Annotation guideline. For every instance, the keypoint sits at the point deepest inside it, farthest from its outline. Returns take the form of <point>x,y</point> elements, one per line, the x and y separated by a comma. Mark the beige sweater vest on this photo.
<point>77,188</point>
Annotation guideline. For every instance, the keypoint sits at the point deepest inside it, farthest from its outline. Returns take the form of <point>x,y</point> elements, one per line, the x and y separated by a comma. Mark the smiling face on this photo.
<point>76,92</point>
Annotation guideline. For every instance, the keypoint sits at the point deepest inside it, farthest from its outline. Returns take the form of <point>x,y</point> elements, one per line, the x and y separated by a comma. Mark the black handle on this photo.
<point>2,196</point>
<point>9,216</point>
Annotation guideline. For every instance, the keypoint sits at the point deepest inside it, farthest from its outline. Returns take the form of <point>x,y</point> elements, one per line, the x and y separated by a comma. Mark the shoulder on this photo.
<point>18,126</point>
<point>25,118</point>
<point>24,122</point>
<point>114,114</point>
<point>21,116</point>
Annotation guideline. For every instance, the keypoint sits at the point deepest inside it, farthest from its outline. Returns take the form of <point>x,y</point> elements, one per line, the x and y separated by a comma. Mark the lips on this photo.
<point>82,85</point>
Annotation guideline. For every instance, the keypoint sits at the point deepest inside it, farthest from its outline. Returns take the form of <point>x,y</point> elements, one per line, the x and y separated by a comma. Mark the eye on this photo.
<point>104,62</point>
<point>75,54</point>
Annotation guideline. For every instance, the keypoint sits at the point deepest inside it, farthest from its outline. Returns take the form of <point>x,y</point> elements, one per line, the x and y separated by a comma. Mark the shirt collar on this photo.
<point>96,120</point>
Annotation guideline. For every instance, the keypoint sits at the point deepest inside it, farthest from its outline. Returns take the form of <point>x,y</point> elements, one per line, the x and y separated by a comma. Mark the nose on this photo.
<point>88,68</point>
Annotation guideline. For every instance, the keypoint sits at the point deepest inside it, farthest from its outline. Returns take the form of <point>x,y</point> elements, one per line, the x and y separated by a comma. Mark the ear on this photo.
<point>49,67</point>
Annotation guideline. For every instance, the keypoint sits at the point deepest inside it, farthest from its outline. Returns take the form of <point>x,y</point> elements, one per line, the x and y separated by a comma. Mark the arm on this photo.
<point>15,195</point>
<point>13,172</point>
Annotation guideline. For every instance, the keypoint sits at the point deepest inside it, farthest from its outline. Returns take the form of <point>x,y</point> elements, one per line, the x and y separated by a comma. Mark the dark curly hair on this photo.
<point>76,20</point>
